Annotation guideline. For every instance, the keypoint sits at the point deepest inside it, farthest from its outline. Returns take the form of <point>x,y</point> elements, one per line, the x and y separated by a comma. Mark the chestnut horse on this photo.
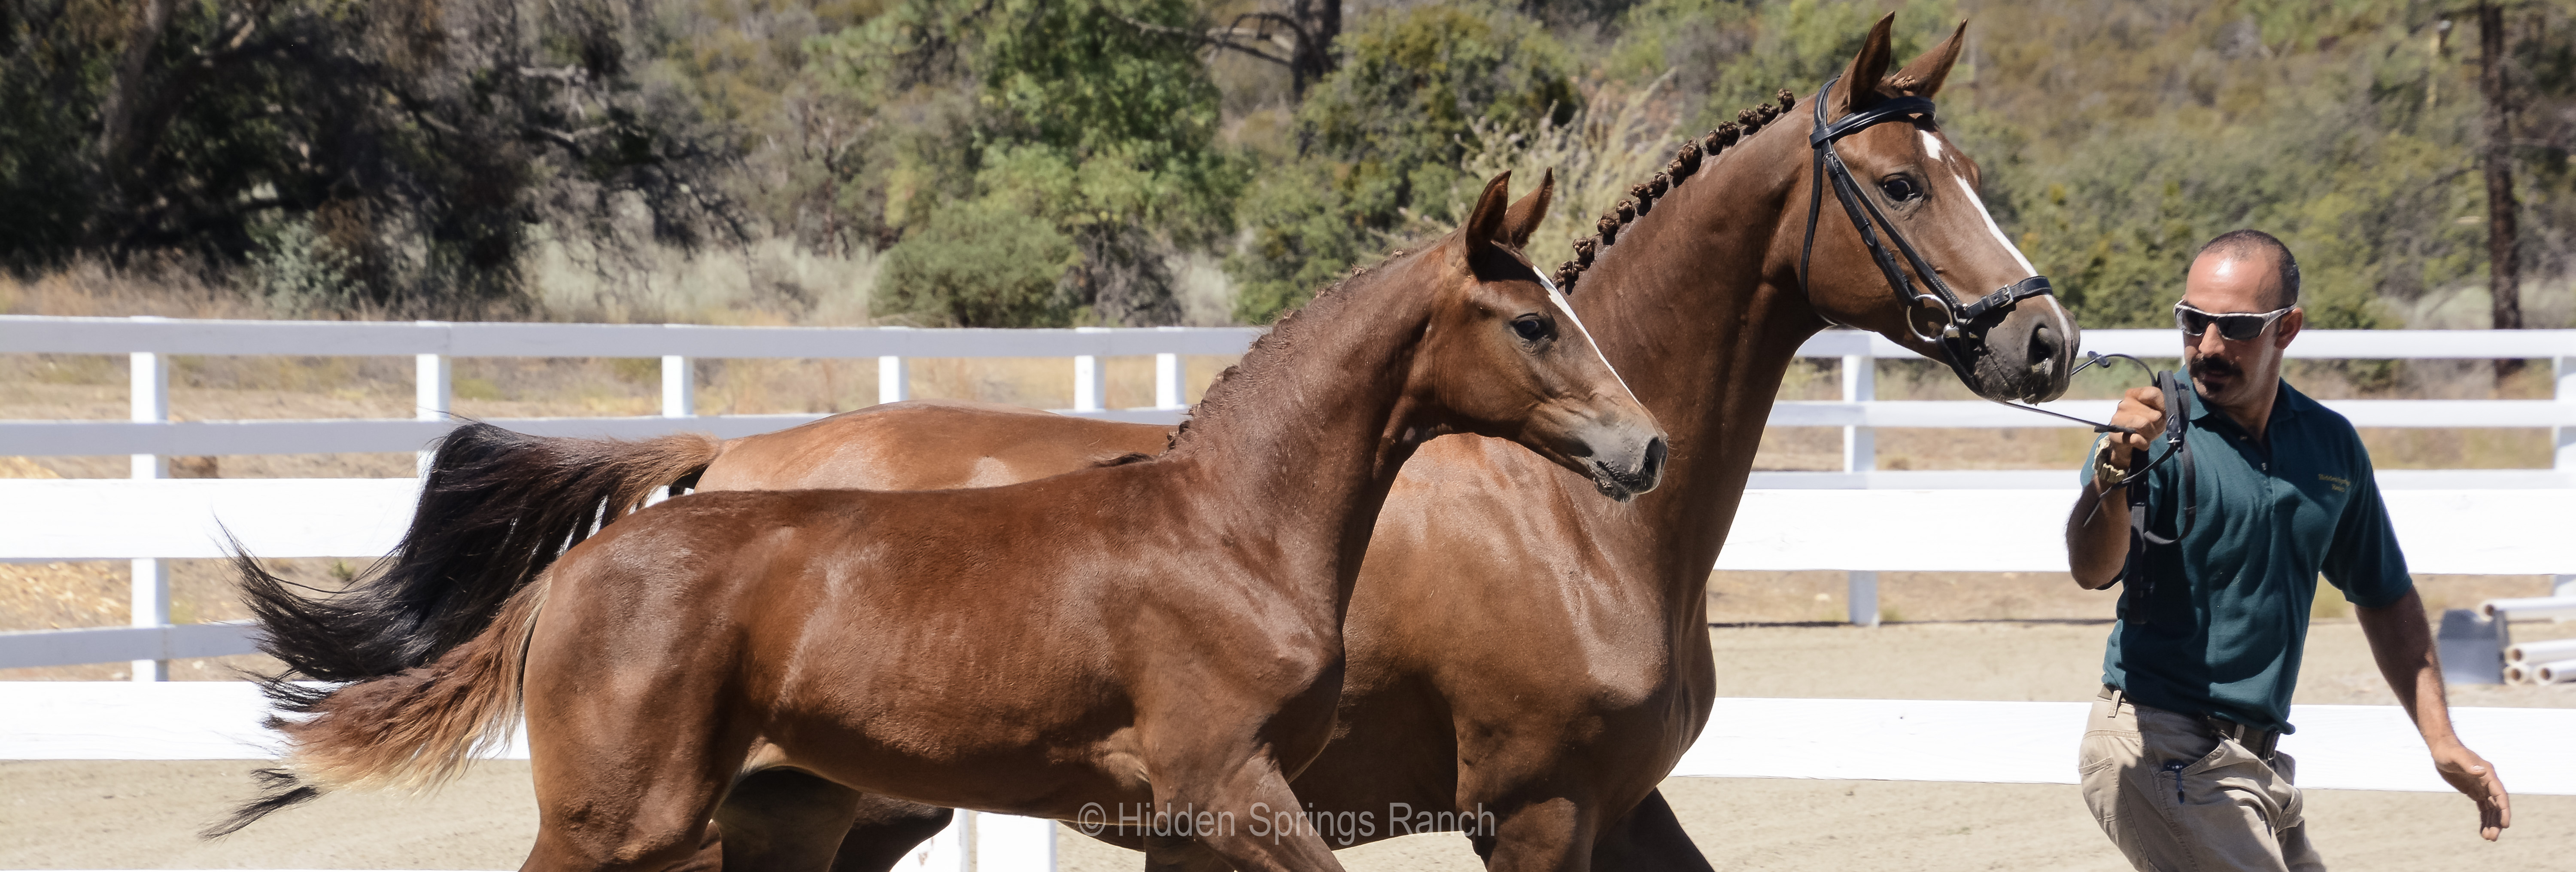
<point>1158,632</point>
<point>1557,703</point>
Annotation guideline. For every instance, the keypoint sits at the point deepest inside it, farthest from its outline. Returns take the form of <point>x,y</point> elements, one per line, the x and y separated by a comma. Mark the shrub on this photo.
<point>978,265</point>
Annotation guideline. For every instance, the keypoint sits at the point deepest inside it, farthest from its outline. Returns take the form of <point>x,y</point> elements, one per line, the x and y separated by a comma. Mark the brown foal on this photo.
<point>1555,702</point>
<point>1158,633</point>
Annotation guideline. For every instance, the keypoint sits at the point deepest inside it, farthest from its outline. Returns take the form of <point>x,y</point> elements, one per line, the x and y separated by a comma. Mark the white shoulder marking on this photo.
<point>2000,238</point>
<point>1558,297</point>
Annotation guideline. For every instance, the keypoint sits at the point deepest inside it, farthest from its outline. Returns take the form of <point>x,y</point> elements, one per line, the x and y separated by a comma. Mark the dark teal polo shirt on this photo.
<point>2229,616</point>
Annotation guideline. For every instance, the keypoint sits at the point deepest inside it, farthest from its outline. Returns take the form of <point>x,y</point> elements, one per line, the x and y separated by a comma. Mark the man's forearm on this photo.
<point>2097,537</point>
<point>2402,643</point>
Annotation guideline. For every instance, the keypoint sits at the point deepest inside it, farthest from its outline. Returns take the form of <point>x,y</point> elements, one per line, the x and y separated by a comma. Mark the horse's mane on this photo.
<point>1285,334</point>
<point>1642,196</point>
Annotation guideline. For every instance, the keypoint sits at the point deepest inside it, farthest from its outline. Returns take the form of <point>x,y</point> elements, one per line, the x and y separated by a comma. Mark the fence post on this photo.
<point>2565,462</point>
<point>1167,379</point>
<point>679,387</point>
<point>1860,455</point>
<point>1090,383</point>
<point>894,379</point>
<point>2565,437</point>
<point>433,390</point>
<point>149,394</point>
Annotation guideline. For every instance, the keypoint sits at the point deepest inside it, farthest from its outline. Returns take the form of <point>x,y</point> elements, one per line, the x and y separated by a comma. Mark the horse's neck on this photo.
<point>1682,307</point>
<point>1297,449</point>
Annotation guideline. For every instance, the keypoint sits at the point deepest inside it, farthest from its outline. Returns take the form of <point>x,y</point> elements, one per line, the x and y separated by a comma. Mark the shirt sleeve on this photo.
<point>2364,561</point>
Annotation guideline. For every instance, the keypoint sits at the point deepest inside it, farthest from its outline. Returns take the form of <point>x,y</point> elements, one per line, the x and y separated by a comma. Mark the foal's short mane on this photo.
<point>1641,197</point>
<point>1223,394</point>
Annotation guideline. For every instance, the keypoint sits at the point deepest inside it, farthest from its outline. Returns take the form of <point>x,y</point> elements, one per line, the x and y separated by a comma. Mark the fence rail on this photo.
<point>1791,519</point>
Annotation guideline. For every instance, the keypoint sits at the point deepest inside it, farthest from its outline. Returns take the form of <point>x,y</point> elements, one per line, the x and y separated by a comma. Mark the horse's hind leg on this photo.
<point>629,761</point>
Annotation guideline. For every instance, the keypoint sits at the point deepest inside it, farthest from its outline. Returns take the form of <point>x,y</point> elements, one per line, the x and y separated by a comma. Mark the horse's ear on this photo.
<point>1485,224</point>
<point>1923,77</point>
<point>1858,89</point>
<point>1523,219</point>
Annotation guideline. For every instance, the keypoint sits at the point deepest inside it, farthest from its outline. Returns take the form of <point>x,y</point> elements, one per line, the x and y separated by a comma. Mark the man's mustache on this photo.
<point>2212,366</point>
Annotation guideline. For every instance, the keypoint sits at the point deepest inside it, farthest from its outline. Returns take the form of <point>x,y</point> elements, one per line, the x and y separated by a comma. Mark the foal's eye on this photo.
<point>1532,328</point>
<point>1899,189</point>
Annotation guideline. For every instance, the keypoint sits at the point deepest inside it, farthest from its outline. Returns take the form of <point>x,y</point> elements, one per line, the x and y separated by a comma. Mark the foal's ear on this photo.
<point>1923,77</point>
<point>1858,89</point>
<point>1524,217</point>
<point>1485,224</point>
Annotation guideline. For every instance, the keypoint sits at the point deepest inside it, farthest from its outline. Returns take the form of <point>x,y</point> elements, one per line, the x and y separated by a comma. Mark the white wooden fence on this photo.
<point>1861,519</point>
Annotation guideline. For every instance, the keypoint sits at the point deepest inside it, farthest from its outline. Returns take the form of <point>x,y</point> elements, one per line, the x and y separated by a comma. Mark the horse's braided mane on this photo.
<point>1641,197</point>
<point>1284,333</point>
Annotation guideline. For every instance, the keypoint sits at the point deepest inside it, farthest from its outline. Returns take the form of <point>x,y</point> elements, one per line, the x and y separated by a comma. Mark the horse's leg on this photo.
<point>1648,837</point>
<point>1263,829</point>
<point>784,820</point>
<point>1555,834</point>
<point>629,780</point>
<point>1180,854</point>
<point>886,829</point>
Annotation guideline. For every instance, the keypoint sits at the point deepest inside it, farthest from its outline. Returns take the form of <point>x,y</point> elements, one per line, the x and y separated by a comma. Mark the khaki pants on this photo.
<point>2175,797</point>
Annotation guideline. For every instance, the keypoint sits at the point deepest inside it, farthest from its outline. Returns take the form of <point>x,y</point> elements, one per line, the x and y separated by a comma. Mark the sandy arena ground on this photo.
<point>102,815</point>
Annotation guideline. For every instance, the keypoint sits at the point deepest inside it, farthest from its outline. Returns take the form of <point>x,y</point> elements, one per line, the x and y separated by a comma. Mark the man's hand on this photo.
<point>2141,411</point>
<point>2472,775</point>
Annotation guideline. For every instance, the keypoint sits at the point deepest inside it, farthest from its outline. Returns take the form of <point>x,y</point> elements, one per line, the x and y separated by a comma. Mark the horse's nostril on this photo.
<point>2045,343</point>
<point>1653,468</point>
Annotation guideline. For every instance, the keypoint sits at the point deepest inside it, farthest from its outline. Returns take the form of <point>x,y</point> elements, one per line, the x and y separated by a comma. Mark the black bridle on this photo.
<point>1962,333</point>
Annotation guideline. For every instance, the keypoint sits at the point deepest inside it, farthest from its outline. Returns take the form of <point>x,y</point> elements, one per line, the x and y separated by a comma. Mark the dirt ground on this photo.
<point>139,815</point>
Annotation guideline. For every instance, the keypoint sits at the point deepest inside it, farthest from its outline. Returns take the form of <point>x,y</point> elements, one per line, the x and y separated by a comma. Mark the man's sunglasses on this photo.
<point>2237,326</point>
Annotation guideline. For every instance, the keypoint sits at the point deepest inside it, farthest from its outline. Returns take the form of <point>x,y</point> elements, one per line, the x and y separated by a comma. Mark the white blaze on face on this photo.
<point>1558,297</point>
<point>1932,145</point>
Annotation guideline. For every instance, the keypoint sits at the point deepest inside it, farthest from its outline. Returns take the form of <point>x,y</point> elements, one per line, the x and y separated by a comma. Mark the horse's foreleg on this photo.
<point>1648,837</point>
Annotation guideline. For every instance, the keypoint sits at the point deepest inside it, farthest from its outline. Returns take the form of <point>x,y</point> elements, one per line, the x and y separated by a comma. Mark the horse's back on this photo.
<point>926,445</point>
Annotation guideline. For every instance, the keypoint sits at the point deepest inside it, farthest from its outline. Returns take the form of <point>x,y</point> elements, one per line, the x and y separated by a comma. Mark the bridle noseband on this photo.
<point>1962,336</point>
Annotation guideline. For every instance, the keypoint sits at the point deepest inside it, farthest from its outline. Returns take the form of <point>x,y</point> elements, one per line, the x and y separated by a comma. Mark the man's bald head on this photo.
<point>2257,247</point>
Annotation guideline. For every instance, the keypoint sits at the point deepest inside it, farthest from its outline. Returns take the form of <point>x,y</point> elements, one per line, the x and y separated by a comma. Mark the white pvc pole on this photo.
<point>2549,651</point>
<point>149,395</point>
<point>2554,673</point>
<point>2530,608</point>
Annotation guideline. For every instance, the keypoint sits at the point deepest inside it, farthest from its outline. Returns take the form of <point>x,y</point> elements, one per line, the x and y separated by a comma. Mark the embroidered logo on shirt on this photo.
<point>2338,483</point>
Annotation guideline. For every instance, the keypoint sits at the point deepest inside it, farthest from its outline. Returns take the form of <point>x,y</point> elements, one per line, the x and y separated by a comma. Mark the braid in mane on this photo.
<point>1641,197</point>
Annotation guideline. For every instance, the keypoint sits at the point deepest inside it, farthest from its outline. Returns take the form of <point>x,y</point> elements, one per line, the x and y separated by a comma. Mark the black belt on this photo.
<point>2260,741</point>
<point>2256,739</point>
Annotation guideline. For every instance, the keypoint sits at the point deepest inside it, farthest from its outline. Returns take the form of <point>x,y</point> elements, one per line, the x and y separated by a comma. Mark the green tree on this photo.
<point>1384,138</point>
<point>978,265</point>
<point>1089,115</point>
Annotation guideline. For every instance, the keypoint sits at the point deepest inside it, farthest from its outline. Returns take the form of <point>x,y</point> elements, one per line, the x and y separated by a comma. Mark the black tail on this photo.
<point>496,509</point>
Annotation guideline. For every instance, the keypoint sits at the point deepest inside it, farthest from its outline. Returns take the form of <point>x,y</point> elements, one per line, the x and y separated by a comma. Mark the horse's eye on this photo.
<point>1899,189</point>
<point>1531,328</point>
